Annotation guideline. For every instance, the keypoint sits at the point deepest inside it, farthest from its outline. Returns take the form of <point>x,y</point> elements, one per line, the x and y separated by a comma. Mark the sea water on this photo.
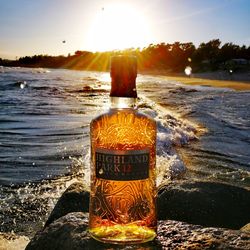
<point>203,133</point>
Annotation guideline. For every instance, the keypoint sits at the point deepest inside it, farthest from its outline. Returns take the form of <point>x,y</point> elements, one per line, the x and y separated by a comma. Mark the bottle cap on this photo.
<point>123,73</point>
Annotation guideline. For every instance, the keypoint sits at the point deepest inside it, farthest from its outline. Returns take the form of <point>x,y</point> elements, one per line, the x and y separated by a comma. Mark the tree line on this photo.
<point>167,57</point>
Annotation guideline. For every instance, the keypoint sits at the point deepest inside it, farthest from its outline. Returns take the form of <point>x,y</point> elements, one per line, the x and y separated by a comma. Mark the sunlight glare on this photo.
<point>118,26</point>
<point>188,70</point>
<point>105,77</point>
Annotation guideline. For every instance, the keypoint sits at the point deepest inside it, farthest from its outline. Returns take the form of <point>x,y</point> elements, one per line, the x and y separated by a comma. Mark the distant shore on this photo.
<point>239,81</point>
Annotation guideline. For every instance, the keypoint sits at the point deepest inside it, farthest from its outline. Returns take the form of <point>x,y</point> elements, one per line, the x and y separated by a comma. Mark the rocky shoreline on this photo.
<point>219,209</point>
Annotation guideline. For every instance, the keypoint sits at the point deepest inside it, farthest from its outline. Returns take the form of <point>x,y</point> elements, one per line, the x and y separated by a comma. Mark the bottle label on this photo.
<point>122,165</point>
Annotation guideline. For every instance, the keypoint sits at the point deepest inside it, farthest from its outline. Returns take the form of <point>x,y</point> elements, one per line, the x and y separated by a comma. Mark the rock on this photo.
<point>70,233</point>
<point>205,203</point>
<point>74,199</point>
<point>11,241</point>
<point>180,235</point>
<point>182,90</point>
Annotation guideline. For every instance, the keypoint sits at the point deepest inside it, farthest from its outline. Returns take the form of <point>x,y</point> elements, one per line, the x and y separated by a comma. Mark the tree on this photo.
<point>229,51</point>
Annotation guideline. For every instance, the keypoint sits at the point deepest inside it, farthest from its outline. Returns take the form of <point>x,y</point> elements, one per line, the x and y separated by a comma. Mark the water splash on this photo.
<point>171,131</point>
<point>25,208</point>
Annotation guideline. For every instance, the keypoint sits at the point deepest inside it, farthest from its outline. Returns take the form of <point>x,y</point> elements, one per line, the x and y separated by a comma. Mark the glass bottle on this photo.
<point>123,152</point>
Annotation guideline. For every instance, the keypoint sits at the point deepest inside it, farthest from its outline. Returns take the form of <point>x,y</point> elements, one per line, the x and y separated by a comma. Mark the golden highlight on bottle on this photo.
<point>123,190</point>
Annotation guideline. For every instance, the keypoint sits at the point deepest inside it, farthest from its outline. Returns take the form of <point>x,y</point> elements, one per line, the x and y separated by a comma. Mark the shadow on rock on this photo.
<point>74,199</point>
<point>205,203</point>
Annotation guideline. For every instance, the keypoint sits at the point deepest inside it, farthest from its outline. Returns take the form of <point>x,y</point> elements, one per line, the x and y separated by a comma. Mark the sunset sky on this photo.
<point>29,27</point>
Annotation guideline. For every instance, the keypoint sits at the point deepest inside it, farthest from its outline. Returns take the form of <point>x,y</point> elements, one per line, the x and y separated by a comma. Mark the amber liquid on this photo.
<point>123,211</point>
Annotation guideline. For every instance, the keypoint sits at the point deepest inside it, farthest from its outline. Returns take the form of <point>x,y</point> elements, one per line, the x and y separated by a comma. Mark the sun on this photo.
<point>118,26</point>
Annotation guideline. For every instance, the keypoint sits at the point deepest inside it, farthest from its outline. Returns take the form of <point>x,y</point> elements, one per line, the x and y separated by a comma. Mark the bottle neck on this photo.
<point>123,102</point>
<point>123,87</point>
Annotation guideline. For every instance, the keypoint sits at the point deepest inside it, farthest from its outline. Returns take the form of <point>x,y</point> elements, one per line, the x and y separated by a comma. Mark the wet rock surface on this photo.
<point>67,225</point>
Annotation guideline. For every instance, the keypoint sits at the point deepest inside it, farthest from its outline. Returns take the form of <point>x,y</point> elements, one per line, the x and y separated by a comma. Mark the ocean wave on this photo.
<point>171,131</point>
<point>20,84</point>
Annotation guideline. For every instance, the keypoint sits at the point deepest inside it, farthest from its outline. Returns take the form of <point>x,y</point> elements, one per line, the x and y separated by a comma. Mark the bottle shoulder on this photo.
<point>132,113</point>
<point>123,129</point>
<point>151,119</point>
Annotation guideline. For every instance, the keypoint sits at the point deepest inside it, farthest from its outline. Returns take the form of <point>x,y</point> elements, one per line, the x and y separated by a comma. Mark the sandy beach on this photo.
<point>239,81</point>
<point>233,84</point>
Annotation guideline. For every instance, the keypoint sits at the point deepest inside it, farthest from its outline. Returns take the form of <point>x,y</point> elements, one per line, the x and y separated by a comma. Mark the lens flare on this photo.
<point>188,70</point>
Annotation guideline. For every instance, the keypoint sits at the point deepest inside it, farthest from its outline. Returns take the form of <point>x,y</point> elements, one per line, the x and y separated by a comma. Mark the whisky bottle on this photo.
<point>123,152</point>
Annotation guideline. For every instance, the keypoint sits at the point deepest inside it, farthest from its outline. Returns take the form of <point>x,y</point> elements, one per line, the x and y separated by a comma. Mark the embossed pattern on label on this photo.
<point>122,165</point>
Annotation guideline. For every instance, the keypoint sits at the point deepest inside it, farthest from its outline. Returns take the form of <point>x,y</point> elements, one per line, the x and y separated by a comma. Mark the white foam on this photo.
<point>172,131</point>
